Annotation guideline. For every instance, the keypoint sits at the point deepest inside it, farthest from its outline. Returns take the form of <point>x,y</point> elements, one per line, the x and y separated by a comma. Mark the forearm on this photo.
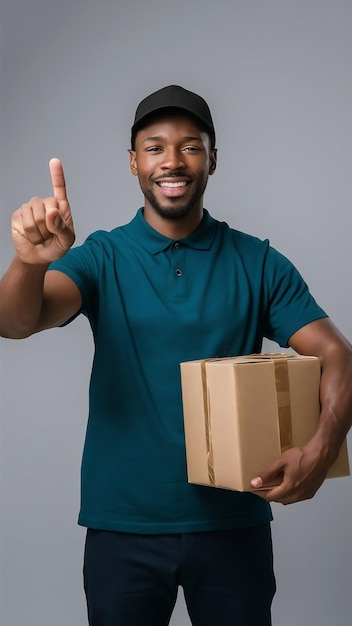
<point>323,339</point>
<point>21,298</point>
<point>336,399</point>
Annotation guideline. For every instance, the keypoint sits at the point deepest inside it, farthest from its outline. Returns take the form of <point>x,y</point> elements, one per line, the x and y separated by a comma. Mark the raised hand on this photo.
<point>42,229</point>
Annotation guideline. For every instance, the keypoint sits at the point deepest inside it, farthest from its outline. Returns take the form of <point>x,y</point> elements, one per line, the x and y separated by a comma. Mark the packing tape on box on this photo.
<point>282,385</point>
<point>208,437</point>
<point>283,402</point>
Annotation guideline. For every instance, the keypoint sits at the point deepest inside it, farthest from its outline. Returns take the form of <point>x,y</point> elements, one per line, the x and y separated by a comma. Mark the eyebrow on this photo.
<point>161,138</point>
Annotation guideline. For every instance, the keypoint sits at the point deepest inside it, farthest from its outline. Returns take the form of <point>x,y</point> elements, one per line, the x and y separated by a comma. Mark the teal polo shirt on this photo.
<point>153,302</point>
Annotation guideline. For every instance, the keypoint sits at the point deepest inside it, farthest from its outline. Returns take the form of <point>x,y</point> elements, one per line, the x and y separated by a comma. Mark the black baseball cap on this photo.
<point>173,97</point>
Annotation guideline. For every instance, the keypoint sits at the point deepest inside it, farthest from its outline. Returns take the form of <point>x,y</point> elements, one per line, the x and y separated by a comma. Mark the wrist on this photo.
<point>327,441</point>
<point>25,266</point>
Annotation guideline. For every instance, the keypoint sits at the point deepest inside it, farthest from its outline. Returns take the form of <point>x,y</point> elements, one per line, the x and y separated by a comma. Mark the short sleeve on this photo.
<point>289,303</point>
<point>81,265</point>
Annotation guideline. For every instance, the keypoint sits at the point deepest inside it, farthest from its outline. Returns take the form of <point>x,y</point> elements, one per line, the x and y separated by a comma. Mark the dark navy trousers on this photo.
<point>227,577</point>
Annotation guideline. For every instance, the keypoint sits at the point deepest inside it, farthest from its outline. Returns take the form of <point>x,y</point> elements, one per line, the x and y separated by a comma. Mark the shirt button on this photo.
<point>178,273</point>
<point>177,245</point>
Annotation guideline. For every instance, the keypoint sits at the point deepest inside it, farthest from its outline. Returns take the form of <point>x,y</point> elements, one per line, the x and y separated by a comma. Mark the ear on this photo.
<point>213,161</point>
<point>133,162</point>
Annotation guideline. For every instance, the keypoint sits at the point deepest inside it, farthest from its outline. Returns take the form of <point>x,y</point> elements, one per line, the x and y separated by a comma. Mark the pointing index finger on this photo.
<point>58,179</point>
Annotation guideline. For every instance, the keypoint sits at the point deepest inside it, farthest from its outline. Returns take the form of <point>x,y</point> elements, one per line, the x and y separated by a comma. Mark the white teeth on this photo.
<point>167,184</point>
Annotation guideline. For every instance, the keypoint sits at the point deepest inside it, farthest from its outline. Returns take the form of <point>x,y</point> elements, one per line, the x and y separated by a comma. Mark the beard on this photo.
<point>175,208</point>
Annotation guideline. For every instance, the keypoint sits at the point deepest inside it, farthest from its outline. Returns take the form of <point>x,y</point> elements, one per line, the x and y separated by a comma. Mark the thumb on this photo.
<point>270,478</point>
<point>257,482</point>
<point>58,226</point>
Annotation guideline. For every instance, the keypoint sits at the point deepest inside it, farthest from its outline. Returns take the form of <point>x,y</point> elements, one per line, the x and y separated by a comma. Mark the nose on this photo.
<point>173,159</point>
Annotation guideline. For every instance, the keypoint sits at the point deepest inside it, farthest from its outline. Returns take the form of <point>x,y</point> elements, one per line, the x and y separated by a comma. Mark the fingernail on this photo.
<point>256,482</point>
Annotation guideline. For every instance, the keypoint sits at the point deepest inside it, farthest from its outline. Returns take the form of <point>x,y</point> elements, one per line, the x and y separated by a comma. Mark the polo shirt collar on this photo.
<point>201,239</point>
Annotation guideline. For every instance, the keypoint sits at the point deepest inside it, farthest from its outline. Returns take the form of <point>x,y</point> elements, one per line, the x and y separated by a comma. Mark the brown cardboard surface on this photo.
<point>241,412</point>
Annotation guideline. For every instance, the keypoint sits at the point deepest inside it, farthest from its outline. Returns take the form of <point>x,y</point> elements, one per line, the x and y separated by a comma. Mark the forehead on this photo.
<point>172,123</point>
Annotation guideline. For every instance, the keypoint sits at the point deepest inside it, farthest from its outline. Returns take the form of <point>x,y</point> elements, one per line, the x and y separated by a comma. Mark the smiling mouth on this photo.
<point>173,188</point>
<point>172,185</point>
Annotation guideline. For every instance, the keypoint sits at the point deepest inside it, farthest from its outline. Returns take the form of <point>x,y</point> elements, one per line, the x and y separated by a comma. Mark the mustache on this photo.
<point>168,175</point>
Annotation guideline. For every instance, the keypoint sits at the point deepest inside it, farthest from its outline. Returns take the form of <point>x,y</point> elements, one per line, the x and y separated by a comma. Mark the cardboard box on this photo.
<point>240,413</point>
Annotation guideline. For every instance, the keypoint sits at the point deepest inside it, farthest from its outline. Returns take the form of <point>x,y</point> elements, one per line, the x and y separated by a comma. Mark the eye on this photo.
<point>191,148</point>
<point>153,149</point>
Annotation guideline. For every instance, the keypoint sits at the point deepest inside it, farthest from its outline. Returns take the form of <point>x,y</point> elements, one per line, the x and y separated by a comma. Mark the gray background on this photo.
<point>277,75</point>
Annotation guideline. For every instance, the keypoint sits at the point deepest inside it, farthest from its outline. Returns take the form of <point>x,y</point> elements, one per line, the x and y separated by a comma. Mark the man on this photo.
<point>173,285</point>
